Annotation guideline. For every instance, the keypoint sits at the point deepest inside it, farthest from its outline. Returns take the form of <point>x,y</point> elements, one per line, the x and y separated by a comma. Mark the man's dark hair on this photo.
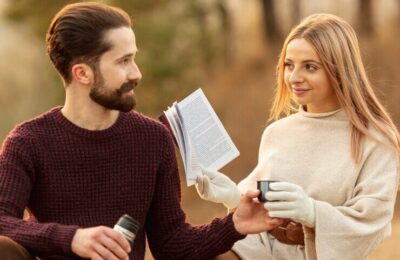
<point>76,34</point>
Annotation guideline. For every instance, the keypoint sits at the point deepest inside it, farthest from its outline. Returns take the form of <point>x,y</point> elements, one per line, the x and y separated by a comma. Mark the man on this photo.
<point>79,167</point>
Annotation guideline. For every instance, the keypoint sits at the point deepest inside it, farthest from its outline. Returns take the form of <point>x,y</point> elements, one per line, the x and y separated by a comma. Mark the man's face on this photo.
<point>116,73</point>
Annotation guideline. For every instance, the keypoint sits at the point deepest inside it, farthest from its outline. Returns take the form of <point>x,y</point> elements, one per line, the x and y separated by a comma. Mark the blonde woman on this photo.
<point>335,153</point>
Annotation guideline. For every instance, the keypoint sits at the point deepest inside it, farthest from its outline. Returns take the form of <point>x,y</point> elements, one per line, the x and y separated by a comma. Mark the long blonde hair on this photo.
<point>336,43</point>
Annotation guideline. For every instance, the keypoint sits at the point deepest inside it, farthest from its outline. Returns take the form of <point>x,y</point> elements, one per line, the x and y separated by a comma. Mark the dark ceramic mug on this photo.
<point>263,187</point>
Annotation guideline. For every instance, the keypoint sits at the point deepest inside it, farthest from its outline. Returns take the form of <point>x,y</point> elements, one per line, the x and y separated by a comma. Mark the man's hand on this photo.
<point>217,187</point>
<point>100,243</point>
<point>288,200</point>
<point>251,217</point>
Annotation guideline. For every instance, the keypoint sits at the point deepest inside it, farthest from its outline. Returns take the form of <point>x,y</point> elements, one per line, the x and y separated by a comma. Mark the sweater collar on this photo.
<point>337,114</point>
<point>68,125</point>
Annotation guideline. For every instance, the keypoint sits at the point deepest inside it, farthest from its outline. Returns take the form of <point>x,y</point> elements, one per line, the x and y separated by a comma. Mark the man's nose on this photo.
<point>134,73</point>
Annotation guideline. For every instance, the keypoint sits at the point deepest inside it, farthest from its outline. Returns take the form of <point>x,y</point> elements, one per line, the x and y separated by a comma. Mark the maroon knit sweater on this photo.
<point>71,177</point>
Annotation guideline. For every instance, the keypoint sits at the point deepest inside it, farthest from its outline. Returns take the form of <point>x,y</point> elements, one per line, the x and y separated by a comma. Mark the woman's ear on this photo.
<point>82,73</point>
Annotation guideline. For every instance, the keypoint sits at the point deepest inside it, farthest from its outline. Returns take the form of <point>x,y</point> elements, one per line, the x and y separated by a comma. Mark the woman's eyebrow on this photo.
<point>304,61</point>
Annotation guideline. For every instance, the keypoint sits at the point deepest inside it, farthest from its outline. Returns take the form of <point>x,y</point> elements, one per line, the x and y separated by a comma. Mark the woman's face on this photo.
<point>307,79</point>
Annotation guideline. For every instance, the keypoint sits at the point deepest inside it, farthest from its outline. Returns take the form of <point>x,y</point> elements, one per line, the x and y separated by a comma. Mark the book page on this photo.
<point>212,145</point>
<point>193,166</point>
<point>190,164</point>
<point>174,123</point>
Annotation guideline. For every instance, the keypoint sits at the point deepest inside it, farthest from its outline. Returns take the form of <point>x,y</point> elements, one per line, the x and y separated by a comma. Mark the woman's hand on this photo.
<point>217,187</point>
<point>288,200</point>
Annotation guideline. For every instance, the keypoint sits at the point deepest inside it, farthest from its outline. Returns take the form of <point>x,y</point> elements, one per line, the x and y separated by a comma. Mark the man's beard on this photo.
<point>113,99</point>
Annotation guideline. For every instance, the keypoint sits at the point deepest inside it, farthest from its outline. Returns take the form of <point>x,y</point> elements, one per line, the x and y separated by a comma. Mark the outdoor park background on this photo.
<point>228,47</point>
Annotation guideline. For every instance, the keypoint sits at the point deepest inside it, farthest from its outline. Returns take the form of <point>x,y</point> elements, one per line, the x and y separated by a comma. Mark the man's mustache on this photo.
<point>127,86</point>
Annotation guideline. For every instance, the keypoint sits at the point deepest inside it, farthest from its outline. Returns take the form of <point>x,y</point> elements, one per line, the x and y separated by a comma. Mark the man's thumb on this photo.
<point>250,195</point>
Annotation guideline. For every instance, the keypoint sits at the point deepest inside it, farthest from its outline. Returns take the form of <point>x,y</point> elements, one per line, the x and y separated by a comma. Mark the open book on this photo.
<point>199,134</point>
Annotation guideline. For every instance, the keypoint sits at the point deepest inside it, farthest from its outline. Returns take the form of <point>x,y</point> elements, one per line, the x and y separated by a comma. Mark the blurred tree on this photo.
<point>398,16</point>
<point>295,11</point>
<point>365,17</point>
<point>270,23</point>
<point>224,15</point>
<point>38,16</point>
<point>226,30</point>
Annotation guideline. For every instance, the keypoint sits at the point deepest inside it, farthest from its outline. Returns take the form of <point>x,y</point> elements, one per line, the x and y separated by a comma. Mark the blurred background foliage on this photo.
<point>168,33</point>
<point>228,47</point>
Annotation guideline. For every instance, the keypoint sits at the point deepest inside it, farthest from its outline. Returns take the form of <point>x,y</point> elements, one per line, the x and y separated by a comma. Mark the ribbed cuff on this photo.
<point>63,238</point>
<point>229,234</point>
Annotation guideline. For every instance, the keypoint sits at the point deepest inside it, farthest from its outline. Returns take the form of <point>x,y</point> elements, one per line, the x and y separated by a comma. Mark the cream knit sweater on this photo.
<point>353,203</point>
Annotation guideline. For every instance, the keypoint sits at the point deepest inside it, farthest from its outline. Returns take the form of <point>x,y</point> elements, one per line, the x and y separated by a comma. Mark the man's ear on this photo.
<point>82,73</point>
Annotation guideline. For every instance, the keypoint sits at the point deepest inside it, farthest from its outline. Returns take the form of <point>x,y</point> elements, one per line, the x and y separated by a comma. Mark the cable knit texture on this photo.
<point>69,177</point>
<point>353,203</point>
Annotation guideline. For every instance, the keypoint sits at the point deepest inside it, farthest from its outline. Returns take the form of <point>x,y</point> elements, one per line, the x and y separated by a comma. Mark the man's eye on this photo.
<point>126,61</point>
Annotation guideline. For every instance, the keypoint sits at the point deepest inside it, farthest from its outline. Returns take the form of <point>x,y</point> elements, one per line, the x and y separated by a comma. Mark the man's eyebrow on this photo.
<point>128,55</point>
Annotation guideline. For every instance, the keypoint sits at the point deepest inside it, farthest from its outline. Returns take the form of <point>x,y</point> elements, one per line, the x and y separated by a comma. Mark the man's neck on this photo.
<point>85,113</point>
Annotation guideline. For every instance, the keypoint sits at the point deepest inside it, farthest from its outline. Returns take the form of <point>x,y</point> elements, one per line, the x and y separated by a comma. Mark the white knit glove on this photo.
<point>288,200</point>
<point>217,187</point>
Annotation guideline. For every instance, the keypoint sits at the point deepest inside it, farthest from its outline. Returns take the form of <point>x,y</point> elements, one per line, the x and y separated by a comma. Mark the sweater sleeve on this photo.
<point>169,236</point>
<point>17,177</point>
<point>354,229</point>
<point>250,182</point>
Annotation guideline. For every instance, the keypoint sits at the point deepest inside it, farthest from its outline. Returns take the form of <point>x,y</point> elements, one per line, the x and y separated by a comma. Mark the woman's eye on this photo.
<point>311,67</point>
<point>289,66</point>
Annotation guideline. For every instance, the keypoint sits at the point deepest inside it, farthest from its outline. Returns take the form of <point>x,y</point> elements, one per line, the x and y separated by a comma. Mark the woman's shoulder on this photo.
<point>377,139</point>
<point>377,144</point>
<point>281,124</point>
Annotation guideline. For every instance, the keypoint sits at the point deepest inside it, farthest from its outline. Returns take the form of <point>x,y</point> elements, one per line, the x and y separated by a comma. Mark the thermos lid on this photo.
<point>128,223</point>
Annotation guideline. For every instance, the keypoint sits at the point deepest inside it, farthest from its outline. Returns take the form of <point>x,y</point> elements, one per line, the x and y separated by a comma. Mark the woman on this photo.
<point>335,153</point>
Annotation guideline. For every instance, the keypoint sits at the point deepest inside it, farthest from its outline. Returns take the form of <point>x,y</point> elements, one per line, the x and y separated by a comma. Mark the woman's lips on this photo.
<point>300,91</point>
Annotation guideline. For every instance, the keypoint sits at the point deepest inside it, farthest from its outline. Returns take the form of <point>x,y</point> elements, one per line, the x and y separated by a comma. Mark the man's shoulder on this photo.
<point>37,123</point>
<point>144,122</point>
<point>29,129</point>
